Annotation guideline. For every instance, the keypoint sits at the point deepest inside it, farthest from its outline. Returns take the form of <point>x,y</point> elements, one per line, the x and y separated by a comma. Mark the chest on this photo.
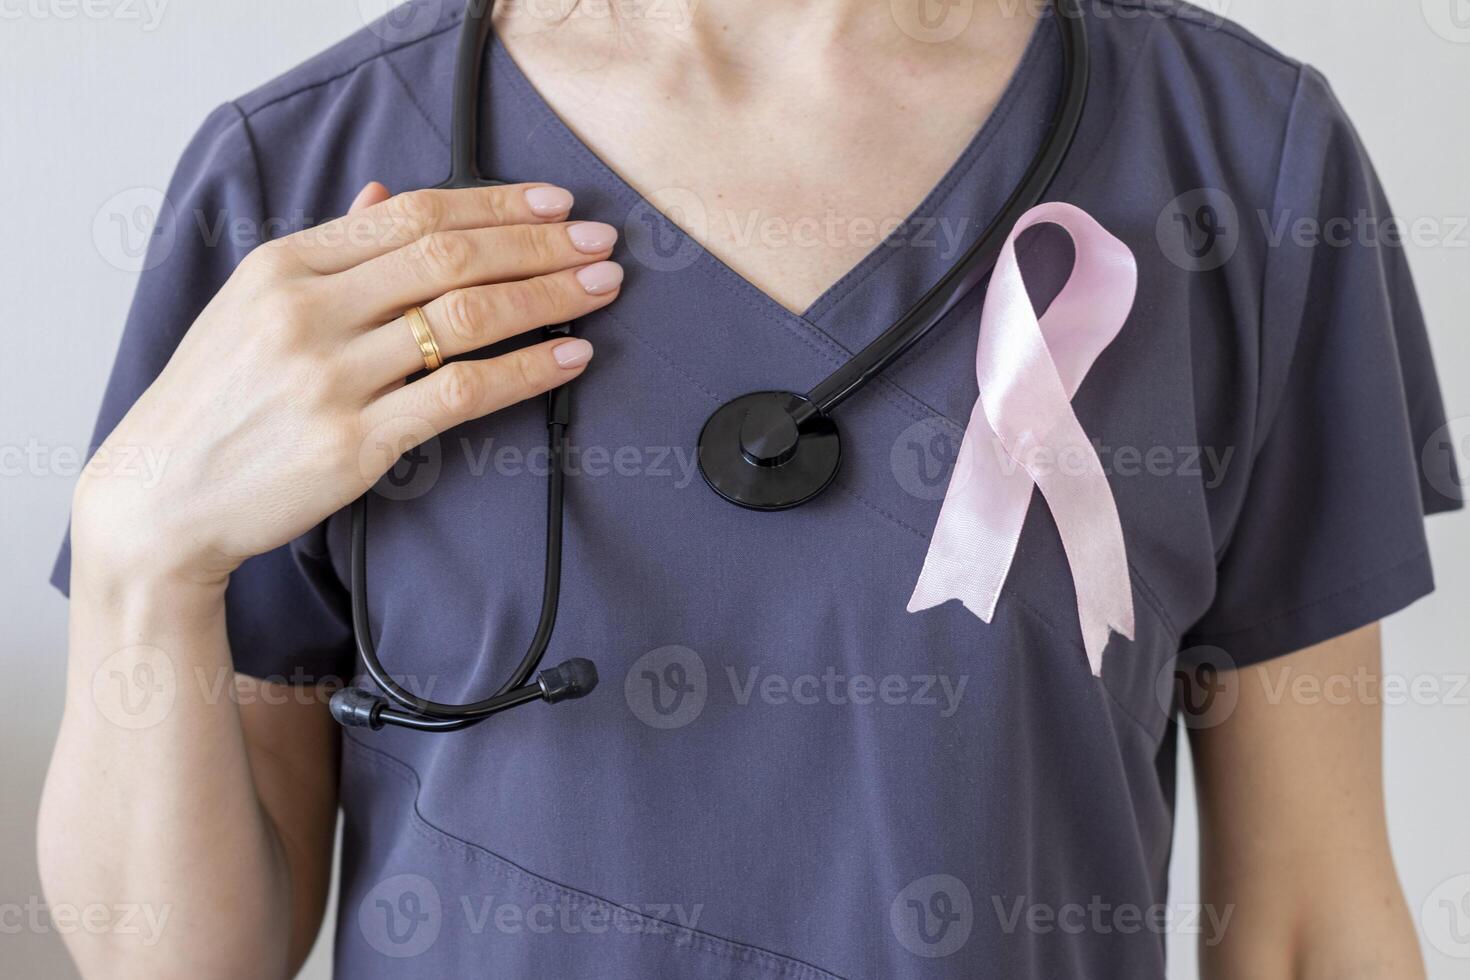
<point>789,175</point>
<point>654,559</point>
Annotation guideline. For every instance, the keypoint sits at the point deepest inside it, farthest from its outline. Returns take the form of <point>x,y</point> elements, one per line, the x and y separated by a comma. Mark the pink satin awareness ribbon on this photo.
<point>1024,433</point>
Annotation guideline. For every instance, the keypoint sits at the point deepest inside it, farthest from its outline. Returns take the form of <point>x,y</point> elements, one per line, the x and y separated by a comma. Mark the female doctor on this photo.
<point>784,773</point>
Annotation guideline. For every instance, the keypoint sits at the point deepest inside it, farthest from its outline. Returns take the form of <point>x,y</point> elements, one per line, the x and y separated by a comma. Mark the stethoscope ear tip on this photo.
<point>574,678</point>
<point>352,707</point>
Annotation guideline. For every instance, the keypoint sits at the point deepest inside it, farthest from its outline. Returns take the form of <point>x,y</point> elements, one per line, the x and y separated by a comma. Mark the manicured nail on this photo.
<point>572,353</point>
<point>548,202</point>
<point>592,236</point>
<point>600,277</point>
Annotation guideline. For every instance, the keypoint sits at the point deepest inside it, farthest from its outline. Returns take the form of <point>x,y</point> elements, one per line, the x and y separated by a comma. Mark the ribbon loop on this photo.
<point>1024,433</point>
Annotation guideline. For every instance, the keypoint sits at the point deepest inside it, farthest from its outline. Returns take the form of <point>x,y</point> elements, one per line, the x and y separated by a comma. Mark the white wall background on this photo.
<point>99,97</point>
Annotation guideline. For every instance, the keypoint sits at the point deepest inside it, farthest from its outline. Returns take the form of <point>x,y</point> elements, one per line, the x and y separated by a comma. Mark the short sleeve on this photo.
<point>1330,533</point>
<point>286,611</point>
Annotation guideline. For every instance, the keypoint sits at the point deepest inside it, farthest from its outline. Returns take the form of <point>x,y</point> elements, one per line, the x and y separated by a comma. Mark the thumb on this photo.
<point>373,193</point>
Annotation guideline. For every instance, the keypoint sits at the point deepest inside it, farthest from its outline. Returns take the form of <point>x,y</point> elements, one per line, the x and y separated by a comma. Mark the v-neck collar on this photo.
<point>965,205</point>
<point>706,332</point>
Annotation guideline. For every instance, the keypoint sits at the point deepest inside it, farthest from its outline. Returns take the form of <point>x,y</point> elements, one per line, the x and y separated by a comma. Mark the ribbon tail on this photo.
<point>979,527</point>
<point>1098,628</point>
<point>1101,617</point>
<point>1086,515</point>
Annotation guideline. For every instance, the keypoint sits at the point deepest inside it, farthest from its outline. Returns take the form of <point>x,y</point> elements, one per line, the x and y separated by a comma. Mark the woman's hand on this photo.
<point>286,399</point>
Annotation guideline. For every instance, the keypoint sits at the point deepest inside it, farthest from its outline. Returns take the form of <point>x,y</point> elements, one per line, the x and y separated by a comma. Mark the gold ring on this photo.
<point>424,337</point>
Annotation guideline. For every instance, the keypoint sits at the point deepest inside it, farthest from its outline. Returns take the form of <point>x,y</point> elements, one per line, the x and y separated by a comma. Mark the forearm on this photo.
<point>222,813</point>
<point>149,804</point>
<point>1363,932</point>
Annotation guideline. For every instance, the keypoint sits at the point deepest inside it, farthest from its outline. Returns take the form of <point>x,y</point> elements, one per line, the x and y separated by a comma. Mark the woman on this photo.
<point>783,773</point>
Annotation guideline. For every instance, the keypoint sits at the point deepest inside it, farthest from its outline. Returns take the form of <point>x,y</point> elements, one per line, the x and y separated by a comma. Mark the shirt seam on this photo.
<point>1268,425</point>
<point>1297,610</point>
<point>766,960</point>
<point>1151,733</point>
<point>1264,427</point>
<point>319,83</point>
<point>255,170</point>
<point>1211,22</point>
<point>413,100</point>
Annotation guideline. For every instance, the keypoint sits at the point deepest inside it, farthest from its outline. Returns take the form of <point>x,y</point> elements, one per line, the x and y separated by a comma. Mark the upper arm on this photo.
<point>295,749</point>
<point>1318,535</point>
<point>1293,838</point>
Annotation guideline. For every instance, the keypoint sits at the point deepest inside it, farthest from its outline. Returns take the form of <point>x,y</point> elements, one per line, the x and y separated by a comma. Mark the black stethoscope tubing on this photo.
<point>732,452</point>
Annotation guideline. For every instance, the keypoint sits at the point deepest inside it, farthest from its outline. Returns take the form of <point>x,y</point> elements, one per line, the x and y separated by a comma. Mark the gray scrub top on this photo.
<point>783,773</point>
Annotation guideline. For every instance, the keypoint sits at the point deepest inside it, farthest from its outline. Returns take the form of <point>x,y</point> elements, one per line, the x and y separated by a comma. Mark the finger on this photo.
<point>468,319</point>
<point>390,224</point>
<point>467,390</point>
<point>384,287</point>
<point>373,193</point>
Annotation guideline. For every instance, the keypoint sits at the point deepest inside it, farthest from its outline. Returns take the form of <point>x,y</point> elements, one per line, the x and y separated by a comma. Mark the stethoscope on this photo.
<point>767,450</point>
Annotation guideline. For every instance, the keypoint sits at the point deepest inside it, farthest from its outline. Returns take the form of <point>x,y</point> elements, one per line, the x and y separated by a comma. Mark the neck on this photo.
<point>779,39</point>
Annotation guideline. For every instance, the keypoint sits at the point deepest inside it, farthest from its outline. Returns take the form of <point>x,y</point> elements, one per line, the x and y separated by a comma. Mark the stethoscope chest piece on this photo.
<point>769,450</point>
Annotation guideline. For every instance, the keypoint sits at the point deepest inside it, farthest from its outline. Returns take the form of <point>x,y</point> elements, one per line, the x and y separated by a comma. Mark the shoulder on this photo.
<point>1206,39</point>
<point>374,106</point>
<point>1211,71</point>
<point>1193,24</point>
<point>416,31</point>
<point>1206,96</point>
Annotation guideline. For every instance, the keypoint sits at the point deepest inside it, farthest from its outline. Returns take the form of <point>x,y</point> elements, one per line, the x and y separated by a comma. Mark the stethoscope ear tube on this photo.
<point>354,707</point>
<point>765,450</point>
<point>980,258</point>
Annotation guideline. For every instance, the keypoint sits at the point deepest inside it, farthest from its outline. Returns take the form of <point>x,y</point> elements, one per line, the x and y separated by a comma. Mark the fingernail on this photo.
<point>600,277</point>
<point>548,202</point>
<point>573,353</point>
<point>592,236</point>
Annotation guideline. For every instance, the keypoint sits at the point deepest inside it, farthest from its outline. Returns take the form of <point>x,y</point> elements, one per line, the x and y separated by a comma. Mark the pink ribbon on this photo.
<point>1024,433</point>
